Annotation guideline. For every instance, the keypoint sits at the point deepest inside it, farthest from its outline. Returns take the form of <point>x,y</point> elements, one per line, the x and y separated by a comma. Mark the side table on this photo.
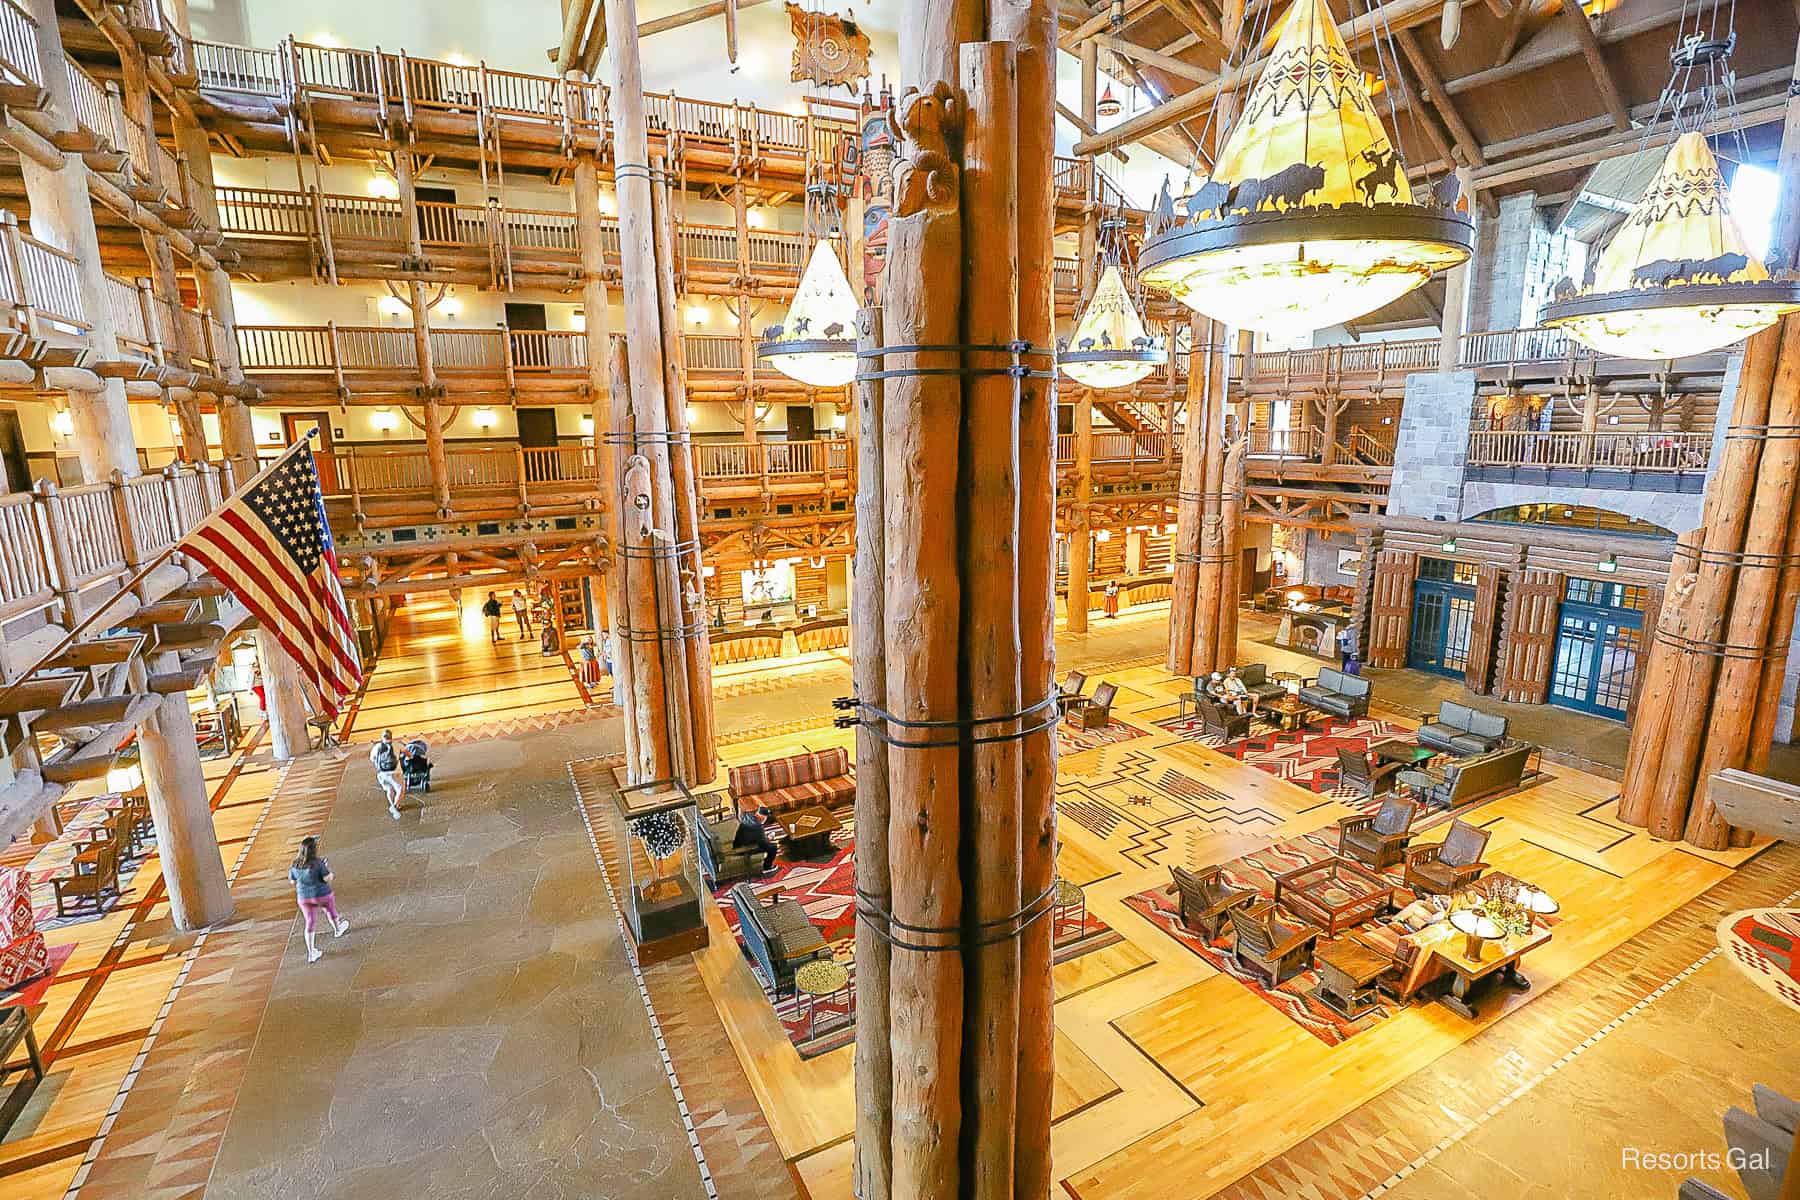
<point>1069,896</point>
<point>819,980</point>
<point>1347,974</point>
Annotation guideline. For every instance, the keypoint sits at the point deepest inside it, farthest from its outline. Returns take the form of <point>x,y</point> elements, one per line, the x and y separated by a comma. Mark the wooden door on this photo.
<point>437,216</point>
<point>537,431</point>
<point>799,423</point>
<point>1530,636</point>
<point>12,452</point>
<point>1390,607</point>
<point>297,425</point>
<point>1479,672</point>
<point>522,322</point>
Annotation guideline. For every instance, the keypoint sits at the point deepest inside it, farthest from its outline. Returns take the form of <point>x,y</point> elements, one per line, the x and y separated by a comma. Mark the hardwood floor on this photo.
<point>1182,1071</point>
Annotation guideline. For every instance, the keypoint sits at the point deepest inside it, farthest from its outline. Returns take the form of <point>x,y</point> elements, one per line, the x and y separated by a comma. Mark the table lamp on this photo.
<point>1537,902</point>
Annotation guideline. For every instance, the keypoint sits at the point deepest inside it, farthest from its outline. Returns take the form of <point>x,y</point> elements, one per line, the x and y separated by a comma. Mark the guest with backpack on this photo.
<point>387,771</point>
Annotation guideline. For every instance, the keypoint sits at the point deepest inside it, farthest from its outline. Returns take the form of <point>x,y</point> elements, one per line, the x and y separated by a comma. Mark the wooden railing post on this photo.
<point>524,493</point>
<point>337,359</point>
<point>322,229</point>
<point>56,533</point>
<point>15,263</point>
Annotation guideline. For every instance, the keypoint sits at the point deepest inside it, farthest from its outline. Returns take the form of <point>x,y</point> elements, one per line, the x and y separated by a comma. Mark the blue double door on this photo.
<point>1443,618</point>
<point>1599,647</point>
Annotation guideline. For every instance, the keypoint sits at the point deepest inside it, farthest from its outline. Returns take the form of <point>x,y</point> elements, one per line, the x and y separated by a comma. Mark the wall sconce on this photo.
<point>817,564</point>
<point>693,414</point>
<point>62,422</point>
<point>1608,565</point>
<point>1449,546</point>
<point>696,314</point>
<point>485,418</point>
<point>384,187</point>
<point>1104,535</point>
<point>839,420</point>
<point>754,218</point>
<point>608,204</point>
<point>450,306</point>
<point>587,425</point>
<point>385,419</point>
<point>391,306</point>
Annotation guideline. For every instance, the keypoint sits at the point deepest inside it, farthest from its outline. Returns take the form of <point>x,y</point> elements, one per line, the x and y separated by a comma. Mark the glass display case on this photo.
<point>663,897</point>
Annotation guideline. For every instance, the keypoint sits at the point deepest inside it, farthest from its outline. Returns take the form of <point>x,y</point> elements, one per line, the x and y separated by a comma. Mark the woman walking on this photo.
<point>312,887</point>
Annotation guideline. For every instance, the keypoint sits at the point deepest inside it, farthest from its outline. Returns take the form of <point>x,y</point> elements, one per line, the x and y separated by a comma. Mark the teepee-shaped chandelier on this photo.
<point>1678,277</point>
<point>816,342</point>
<point>1109,348</point>
<point>1308,219</point>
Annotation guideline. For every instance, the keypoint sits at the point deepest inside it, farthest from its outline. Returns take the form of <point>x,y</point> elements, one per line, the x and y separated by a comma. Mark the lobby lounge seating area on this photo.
<point>1337,693</point>
<point>1460,729</point>
<point>1462,781</point>
<point>818,777</point>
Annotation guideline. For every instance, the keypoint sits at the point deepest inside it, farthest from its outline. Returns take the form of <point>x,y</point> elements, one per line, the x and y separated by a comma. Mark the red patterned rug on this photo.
<point>1070,740</point>
<point>826,889</point>
<point>1305,757</point>
<point>1296,998</point>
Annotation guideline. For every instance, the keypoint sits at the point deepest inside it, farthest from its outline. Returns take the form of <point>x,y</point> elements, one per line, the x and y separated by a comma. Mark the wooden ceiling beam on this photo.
<point>1596,60</point>
<point>1357,30</point>
<point>1101,21</point>
<point>1154,58</point>
<point>1198,22</point>
<point>1515,25</point>
<point>1535,56</point>
<point>1432,85</point>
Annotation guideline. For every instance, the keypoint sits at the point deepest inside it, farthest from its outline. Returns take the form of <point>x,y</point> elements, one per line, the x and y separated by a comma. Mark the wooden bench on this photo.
<point>15,1027</point>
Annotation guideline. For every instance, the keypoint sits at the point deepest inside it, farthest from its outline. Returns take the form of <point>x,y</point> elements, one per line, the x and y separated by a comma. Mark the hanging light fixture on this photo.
<point>1109,348</point>
<point>816,342</point>
<point>1109,105</point>
<point>1308,219</point>
<point>1678,277</point>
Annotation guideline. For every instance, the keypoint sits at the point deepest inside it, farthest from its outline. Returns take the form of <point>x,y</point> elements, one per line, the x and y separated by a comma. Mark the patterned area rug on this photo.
<point>1296,998</point>
<point>1070,740</point>
<point>1764,943</point>
<point>826,889</point>
<point>1307,757</point>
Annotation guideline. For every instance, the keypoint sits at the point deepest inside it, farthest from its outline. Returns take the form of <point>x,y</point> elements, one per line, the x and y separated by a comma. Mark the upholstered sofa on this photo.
<point>821,777</point>
<point>1255,678</point>
<point>1339,694</point>
<point>1460,729</point>
<point>719,858</point>
<point>1468,779</point>
<point>777,934</point>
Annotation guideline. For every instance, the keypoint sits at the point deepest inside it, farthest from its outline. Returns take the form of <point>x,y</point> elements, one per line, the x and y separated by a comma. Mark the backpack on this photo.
<point>384,759</point>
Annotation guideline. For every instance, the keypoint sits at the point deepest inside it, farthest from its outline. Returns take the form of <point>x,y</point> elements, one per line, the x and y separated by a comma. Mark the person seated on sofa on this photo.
<point>1216,692</point>
<point>1239,695</point>
<point>753,834</point>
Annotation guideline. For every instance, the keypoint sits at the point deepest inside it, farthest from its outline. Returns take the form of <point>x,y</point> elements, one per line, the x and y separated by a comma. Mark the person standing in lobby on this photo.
<point>491,610</point>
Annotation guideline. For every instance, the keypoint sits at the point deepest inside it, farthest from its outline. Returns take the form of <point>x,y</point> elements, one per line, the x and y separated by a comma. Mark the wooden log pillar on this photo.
<point>437,458</point>
<point>1228,562</point>
<point>645,384</point>
<point>1185,556</point>
<point>1210,581</point>
<point>1081,534</point>
<point>1331,407</point>
<point>193,870</point>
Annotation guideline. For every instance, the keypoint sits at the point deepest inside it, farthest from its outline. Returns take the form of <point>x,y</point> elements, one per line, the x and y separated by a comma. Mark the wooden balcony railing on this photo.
<point>1639,451</point>
<point>1370,447</point>
<point>39,282</point>
<point>1507,347</point>
<point>508,466</point>
<point>1297,444</point>
<point>19,61</point>
<point>63,548</point>
<point>1323,364</point>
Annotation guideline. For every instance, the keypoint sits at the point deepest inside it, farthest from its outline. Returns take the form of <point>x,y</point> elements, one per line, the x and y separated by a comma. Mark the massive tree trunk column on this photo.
<point>656,547</point>
<point>955,692</point>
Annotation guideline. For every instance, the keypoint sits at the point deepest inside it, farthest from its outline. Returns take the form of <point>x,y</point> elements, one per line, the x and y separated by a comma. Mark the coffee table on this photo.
<point>1291,712</point>
<point>1334,893</point>
<point>1347,974</point>
<point>1407,754</point>
<point>808,832</point>
<point>1475,963</point>
<point>818,980</point>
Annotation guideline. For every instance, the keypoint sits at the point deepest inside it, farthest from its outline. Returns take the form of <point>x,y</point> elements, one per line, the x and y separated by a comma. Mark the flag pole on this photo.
<point>141,574</point>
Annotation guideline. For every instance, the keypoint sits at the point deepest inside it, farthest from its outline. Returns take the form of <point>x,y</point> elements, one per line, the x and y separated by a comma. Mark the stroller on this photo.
<point>416,766</point>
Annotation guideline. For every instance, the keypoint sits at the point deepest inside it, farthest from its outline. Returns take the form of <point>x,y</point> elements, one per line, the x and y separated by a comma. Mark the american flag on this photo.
<point>270,544</point>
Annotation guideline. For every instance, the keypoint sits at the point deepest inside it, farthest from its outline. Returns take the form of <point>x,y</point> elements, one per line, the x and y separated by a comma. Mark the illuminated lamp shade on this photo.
<point>485,418</point>
<point>1678,278</point>
<point>1308,220</point>
<point>1108,105</point>
<point>1109,348</point>
<point>816,342</point>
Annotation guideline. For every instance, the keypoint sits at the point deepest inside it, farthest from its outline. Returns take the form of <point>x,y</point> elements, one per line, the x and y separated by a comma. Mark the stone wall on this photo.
<point>1517,263</point>
<point>1432,446</point>
<point>1322,550</point>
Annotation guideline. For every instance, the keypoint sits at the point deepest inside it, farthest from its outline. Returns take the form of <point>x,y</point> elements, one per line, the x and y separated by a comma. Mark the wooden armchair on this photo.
<point>1360,770</point>
<point>1450,866</point>
<point>93,876</point>
<point>1094,712</point>
<point>1068,693</point>
<point>1206,898</point>
<point>1378,839</point>
<point>1274,947</point>
<point>1218,721</point>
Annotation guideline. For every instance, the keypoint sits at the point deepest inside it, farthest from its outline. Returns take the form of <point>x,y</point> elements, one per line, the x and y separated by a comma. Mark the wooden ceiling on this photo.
<point>1530,96</point>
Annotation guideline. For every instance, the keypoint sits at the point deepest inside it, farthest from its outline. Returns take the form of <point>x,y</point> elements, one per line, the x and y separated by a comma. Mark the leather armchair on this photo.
<point>1378,839</point>
<point>1206,897</point>
<point>1068,693</point>
<point>1370,777</point>
<point>777,934</point>
<point>720,859</point>
<point>1451,865</point>
<point>1274,947</point>
<point>1218,721</point>
<point>1093,712</point>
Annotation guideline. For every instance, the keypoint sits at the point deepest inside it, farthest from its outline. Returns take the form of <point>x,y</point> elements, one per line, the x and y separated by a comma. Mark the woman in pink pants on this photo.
<point>312,887</point>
